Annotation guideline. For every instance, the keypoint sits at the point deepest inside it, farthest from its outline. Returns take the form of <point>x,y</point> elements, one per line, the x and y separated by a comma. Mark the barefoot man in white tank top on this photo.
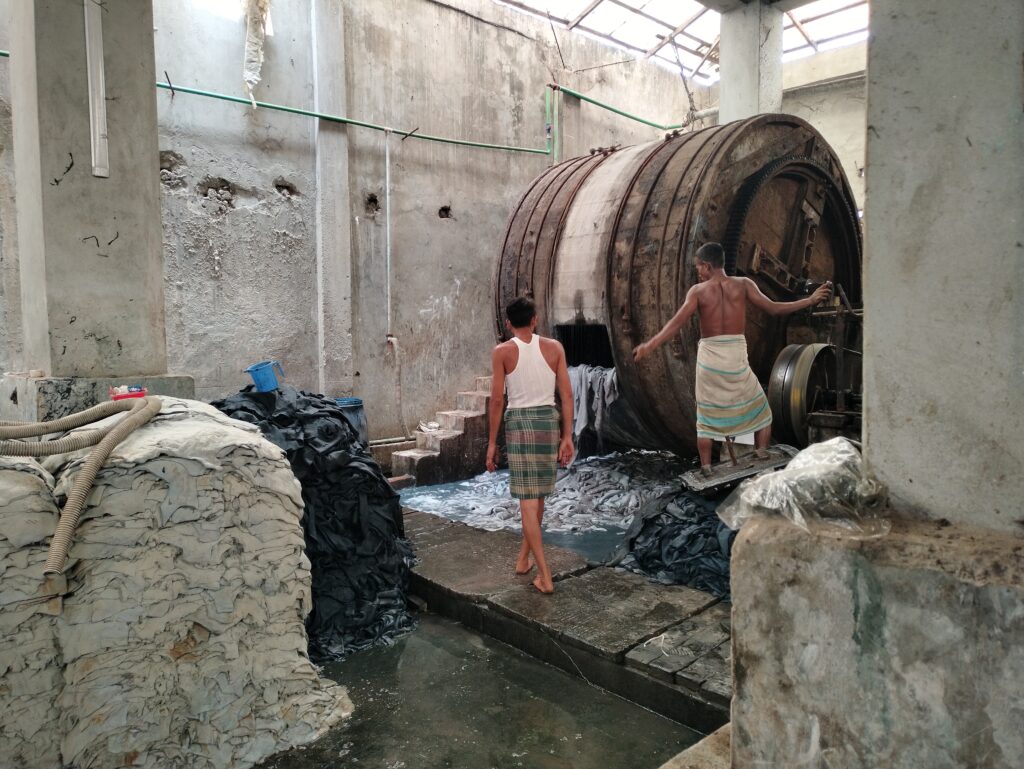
<point>530,367</point>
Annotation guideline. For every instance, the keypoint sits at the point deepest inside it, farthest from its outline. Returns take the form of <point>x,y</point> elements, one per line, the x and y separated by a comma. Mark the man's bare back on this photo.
<point>722,305</point>
<point>721,302</point>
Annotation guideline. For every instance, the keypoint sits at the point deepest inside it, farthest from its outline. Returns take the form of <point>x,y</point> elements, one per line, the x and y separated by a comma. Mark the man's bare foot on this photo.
<point>705,470</point>
<point>524,566</point>
<point>545,586</point>
<point>761,453</point>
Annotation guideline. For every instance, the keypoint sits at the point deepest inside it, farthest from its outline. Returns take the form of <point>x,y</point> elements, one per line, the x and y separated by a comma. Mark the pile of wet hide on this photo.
<point>352,523</point>
<point>677,539</point>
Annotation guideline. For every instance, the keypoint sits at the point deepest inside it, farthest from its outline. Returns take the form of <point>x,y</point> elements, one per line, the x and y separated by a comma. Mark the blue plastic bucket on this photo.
<point>263,376</point>
<point>353,410</point>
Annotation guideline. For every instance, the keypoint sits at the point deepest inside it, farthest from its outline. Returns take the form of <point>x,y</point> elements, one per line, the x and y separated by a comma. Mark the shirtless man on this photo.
<point>530,367</point>
<point>730,400</point>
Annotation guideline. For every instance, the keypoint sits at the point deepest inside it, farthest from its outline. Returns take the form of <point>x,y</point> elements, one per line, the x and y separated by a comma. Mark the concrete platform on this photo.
<point>601,624</point>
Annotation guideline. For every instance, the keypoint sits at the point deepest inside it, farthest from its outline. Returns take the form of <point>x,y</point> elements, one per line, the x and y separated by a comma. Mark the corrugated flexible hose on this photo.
<point>141,410</point>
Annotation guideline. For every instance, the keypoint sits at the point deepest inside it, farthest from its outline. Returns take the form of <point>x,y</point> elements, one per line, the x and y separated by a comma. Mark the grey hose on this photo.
<point>104,440</point>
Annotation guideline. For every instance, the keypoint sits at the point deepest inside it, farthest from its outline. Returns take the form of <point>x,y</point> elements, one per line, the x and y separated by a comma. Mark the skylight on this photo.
<point>674,32</point>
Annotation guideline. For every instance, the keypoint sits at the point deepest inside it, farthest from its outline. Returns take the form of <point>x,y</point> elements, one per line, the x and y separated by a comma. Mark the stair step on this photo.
<point>456,420</point>
<point>432,441</point>
<point>414,454</point>
<point>483,383</point>
<point>422,464</point>
<point>473,400</point>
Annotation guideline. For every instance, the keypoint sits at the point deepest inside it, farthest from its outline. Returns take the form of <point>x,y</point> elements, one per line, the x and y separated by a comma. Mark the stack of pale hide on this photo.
<point>180,638</point>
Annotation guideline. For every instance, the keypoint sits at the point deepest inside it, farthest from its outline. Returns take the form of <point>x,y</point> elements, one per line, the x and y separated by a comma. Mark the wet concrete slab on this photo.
<point>605,611</point>
<point>594,626</point>
<point>425,530</point>
<point>475,564</point>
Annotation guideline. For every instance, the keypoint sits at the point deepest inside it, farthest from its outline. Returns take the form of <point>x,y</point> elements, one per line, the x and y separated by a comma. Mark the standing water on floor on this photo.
<point>445,696</point>
<point>594,501</point>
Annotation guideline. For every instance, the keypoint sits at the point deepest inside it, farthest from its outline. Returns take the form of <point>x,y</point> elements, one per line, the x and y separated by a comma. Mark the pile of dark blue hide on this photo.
<point>352,522</point>
<point>678,539</point>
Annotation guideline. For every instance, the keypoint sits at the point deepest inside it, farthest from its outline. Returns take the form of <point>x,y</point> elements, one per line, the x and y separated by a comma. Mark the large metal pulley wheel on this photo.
<point>801,375</point>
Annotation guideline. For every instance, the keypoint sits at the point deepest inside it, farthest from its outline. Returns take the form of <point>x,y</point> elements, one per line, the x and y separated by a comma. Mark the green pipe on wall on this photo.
<point>361,123</point>
<point>610,108</point>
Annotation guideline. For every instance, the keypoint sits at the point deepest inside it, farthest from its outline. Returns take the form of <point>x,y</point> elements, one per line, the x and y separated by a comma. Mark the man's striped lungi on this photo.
<point>532,437</point>
<point>730,400</point>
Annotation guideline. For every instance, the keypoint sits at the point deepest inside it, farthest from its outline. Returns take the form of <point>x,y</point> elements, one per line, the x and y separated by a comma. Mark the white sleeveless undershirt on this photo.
<point>532,383</point>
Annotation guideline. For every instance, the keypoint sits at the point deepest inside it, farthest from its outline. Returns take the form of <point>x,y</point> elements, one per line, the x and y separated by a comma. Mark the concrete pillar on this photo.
<point>751,62</point>
<point>333,203</point>
<point>91,255</point>
<point>905,651</point>
<point>944,265</point>
<point>90,248</point>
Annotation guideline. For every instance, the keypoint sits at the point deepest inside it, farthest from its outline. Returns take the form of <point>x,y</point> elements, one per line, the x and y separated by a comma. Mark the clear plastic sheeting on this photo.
<point>824,489</point>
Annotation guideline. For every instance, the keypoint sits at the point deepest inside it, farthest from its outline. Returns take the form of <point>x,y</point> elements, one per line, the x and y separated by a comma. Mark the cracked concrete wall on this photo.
<point>241,256</point>
<point>469,69</point>
<point>239,188</point>
<point>238,198</point>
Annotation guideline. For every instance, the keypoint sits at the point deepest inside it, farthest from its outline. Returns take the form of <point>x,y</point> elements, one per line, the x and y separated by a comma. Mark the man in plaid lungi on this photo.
<point>530,368</point>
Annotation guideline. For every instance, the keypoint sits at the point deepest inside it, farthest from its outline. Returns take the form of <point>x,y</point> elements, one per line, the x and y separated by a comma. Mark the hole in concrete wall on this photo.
<point>372,204</point>
<point>286,188</point>
<point>14,397</point>
<point>170,160</point>
<point>218,190</point>
<point>172,169</point>
<point>445,212</point>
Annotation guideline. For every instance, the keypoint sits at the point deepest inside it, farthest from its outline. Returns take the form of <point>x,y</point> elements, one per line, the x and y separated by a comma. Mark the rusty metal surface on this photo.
<point>769,188</point>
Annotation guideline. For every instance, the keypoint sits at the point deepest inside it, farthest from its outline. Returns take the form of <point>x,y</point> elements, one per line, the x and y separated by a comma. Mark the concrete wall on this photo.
<point>944,271</point>
<point>89,246</point>
<point>238,197</point>
<point>10,291</point>
<point>241,274</point>
<point>903,652</point>
<point>241,266</point>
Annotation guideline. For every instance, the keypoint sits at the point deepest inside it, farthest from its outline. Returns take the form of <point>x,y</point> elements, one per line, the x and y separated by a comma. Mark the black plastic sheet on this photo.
<point>677,539</point>
<point>352,522</point>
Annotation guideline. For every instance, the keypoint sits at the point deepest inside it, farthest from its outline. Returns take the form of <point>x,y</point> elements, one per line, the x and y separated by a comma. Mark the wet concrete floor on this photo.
<point>445,696</point>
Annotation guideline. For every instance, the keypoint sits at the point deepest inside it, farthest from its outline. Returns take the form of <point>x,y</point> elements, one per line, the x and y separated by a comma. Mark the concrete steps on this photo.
<point>455,451</point>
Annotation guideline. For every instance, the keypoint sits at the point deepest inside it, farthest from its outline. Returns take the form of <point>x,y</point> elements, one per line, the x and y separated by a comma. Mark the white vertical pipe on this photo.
<point>321,321</point>
<point>97,89</point>
<point>387,223</point>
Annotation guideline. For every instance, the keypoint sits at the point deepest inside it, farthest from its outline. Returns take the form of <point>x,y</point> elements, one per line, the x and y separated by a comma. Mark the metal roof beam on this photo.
<point>586,12</point>
<point>674,32</point>
<point>803,31</point>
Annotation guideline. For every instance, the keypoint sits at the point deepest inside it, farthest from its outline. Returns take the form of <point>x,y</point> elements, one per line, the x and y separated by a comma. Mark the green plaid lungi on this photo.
<point>532,436</point>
